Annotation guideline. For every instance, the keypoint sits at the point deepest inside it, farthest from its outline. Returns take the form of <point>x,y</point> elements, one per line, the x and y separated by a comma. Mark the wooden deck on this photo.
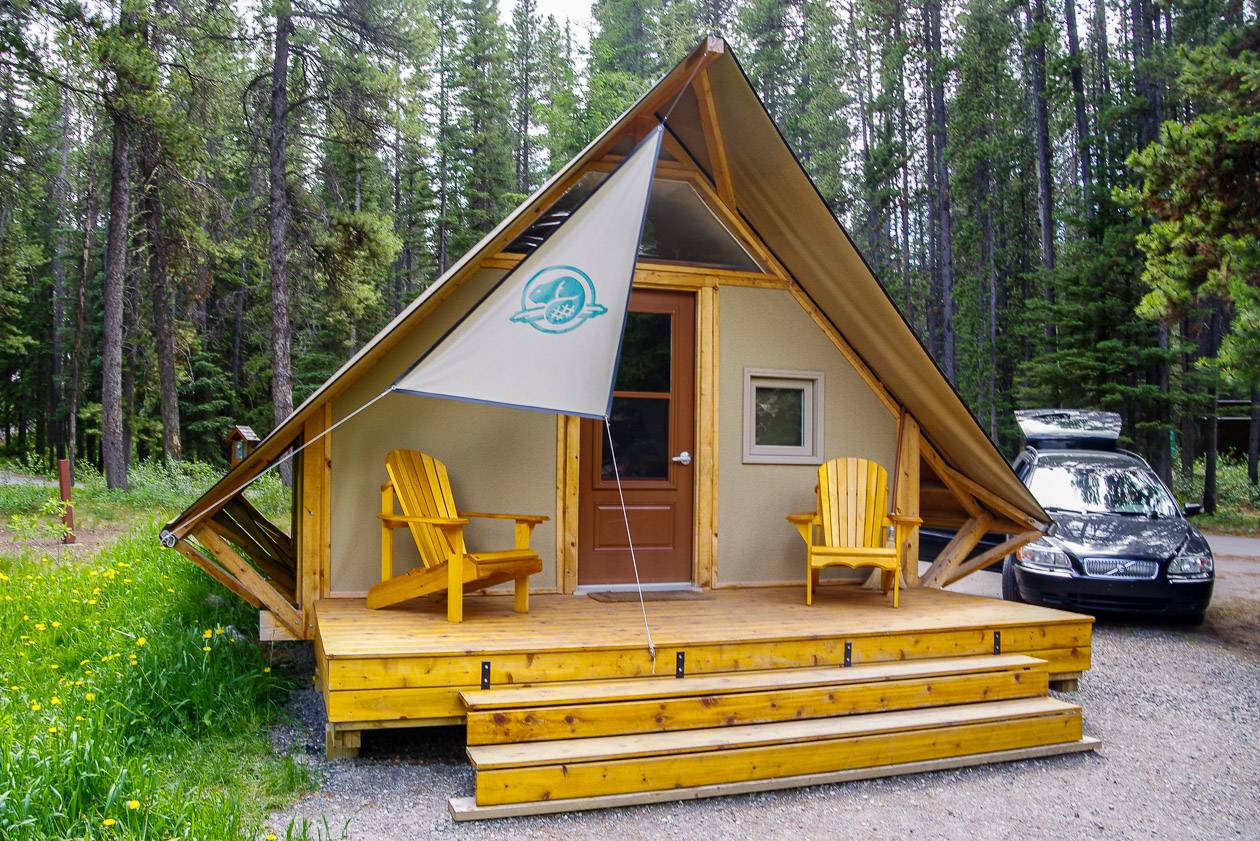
<point>407,666</point>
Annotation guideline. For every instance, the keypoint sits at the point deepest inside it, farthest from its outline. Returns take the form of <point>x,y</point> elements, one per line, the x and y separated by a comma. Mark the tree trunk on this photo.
<point>113,457</point>
<point>131,357</point>
<point>161,306</point>
<point>80,311</point>
<point>56,419</point>
<point>1078,105</point>
<point>279,218</point>
<point>1041,121</point>
<point>943,226</point>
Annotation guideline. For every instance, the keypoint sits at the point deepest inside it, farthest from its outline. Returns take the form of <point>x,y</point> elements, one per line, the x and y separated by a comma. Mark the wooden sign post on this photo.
<point>66,483</point>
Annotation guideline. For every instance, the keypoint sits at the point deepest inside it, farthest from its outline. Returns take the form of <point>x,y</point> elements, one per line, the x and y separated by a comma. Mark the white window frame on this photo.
<point>811,384</point>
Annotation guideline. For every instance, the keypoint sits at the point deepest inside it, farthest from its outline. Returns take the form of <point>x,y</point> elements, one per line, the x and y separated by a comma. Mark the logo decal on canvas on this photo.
<point>558,299</point>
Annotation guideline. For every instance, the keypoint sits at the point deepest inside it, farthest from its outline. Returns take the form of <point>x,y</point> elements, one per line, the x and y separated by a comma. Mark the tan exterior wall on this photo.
<point>766,328</point>
<point>499,460</point>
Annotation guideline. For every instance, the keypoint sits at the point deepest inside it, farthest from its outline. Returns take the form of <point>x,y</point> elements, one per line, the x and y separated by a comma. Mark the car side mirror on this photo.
<point>1192,509</point>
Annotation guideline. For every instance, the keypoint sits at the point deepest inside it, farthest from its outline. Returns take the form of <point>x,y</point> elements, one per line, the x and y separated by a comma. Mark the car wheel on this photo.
<point>1010,588</point>
<point>1194,619</point>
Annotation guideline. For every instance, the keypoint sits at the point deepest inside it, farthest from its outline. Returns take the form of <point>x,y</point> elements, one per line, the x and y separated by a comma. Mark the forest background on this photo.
<point>207,205</point>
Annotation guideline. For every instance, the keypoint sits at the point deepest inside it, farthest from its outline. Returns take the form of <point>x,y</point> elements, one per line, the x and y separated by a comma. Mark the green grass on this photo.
<point>152,486</point>
<point>1237,501</point>
<point>134,699</point>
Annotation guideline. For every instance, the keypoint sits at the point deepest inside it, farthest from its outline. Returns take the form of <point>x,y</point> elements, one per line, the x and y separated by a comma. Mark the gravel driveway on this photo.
<point>1176,708</point>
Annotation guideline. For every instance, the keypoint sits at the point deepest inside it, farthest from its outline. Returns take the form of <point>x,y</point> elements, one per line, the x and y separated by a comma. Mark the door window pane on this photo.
<point>645,352</point>
<point>780,417</point>
<point>640,433</point>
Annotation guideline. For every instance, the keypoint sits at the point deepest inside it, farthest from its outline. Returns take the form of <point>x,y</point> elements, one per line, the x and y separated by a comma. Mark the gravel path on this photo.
<point>1177,710</point>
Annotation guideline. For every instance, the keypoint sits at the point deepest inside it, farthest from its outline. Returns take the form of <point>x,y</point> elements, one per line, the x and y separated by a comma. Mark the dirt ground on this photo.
<point>1175,708</point>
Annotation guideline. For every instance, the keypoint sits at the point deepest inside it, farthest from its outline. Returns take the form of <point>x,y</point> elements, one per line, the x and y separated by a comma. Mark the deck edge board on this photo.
<point>466,809</point>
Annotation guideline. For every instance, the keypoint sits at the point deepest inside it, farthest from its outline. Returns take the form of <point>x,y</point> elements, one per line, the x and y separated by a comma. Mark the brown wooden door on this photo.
<point>653,425</point>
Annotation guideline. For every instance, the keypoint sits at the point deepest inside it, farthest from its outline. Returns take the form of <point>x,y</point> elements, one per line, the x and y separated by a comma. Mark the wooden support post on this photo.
<point>987,557</point>
<point>906,501</point>
<point>216,572</point>
<point>568,456</point>
<point>315,548</point>
<point>342,744</point>
<point>965,539</point>
<point>706,438</point>
<point>65,483</point>
<point>251,580</point>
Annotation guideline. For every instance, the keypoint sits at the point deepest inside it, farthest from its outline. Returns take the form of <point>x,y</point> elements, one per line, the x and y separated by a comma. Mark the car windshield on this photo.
<point>1097,489</point>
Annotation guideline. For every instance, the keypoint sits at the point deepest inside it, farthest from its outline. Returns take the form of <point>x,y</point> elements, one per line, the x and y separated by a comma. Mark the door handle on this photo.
<point>683,458</point>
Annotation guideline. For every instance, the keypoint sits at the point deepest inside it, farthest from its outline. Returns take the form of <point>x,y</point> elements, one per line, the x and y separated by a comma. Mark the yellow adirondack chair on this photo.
<point>423,490</point>
<point>851,525</point>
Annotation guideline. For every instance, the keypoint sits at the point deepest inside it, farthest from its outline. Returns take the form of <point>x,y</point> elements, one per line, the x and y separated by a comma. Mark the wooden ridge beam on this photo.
<point>713,138</point>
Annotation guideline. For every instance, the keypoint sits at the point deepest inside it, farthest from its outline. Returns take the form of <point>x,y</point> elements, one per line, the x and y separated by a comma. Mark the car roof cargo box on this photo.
<point>1068,429</point>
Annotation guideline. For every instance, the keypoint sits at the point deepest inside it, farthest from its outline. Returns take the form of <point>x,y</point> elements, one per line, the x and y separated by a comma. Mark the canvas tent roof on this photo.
<point>780,203</point>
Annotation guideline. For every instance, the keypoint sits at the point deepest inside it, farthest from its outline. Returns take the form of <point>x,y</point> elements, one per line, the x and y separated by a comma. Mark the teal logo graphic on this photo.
<point>558,299</point>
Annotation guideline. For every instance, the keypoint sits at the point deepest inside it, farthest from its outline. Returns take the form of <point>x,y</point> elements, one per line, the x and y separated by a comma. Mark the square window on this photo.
<point>782,416</point>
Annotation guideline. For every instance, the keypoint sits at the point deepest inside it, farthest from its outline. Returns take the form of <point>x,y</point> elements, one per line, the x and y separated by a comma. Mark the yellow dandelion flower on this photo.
<point>54,667</point>
<point>56,624</point>
<point>133,805</point>
<point>207,633</point>
<point>141,642</point>
<point>205,648</point>
<point>35,706</point>
<point>170,589</point>
<point>40,626</point>
<point>266,669</point>
<point>91,601</point>
<point>89,696</point>
<point>52,729</point>
<point>3,577</point>
<point>271,836</point>
<point>109,822</point>
<point>55,701</point>
<point>78,718</point>
<point>218,630</point>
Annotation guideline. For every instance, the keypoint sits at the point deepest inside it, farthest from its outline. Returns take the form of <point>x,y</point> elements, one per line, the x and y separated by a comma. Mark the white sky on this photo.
<point>578,11</point>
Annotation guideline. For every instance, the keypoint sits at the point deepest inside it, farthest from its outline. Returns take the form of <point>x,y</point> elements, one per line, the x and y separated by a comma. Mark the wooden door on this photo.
<point>653,431</point>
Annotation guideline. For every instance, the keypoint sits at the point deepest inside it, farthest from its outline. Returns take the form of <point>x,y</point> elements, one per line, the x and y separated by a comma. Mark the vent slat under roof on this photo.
<point>679,228</point>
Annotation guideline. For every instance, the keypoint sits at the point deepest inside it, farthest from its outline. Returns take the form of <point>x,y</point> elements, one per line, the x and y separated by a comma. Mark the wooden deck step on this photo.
<point>573,692</point>
<point>571,768</point>
<point>646,705</point>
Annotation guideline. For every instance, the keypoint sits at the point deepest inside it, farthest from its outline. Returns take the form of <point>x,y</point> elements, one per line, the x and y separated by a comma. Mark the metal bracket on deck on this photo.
<point>680,664</point>
<point>997,642</point>
<point>848,653</point>
<point>485,674</point>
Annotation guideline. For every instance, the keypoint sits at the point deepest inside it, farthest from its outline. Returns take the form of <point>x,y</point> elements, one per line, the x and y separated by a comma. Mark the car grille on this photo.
<point>1120,568</point>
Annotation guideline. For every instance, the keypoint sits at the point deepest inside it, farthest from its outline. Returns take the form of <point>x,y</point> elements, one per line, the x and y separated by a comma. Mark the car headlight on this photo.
<point>1197,565</point>
<point>1043,556</point>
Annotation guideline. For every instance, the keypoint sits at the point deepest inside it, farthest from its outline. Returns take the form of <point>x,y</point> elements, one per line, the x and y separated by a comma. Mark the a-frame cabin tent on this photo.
<point>759,343</point>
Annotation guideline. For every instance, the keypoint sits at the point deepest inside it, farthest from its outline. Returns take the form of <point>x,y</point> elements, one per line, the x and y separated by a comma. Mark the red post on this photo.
<point>66,481</point>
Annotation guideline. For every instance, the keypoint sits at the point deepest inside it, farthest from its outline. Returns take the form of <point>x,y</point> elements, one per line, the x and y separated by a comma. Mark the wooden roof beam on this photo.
<point>713,138</point>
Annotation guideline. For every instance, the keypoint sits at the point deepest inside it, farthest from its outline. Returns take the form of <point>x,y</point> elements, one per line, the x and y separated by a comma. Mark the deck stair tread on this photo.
<point>646,688</point>
<point>605,748</point>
